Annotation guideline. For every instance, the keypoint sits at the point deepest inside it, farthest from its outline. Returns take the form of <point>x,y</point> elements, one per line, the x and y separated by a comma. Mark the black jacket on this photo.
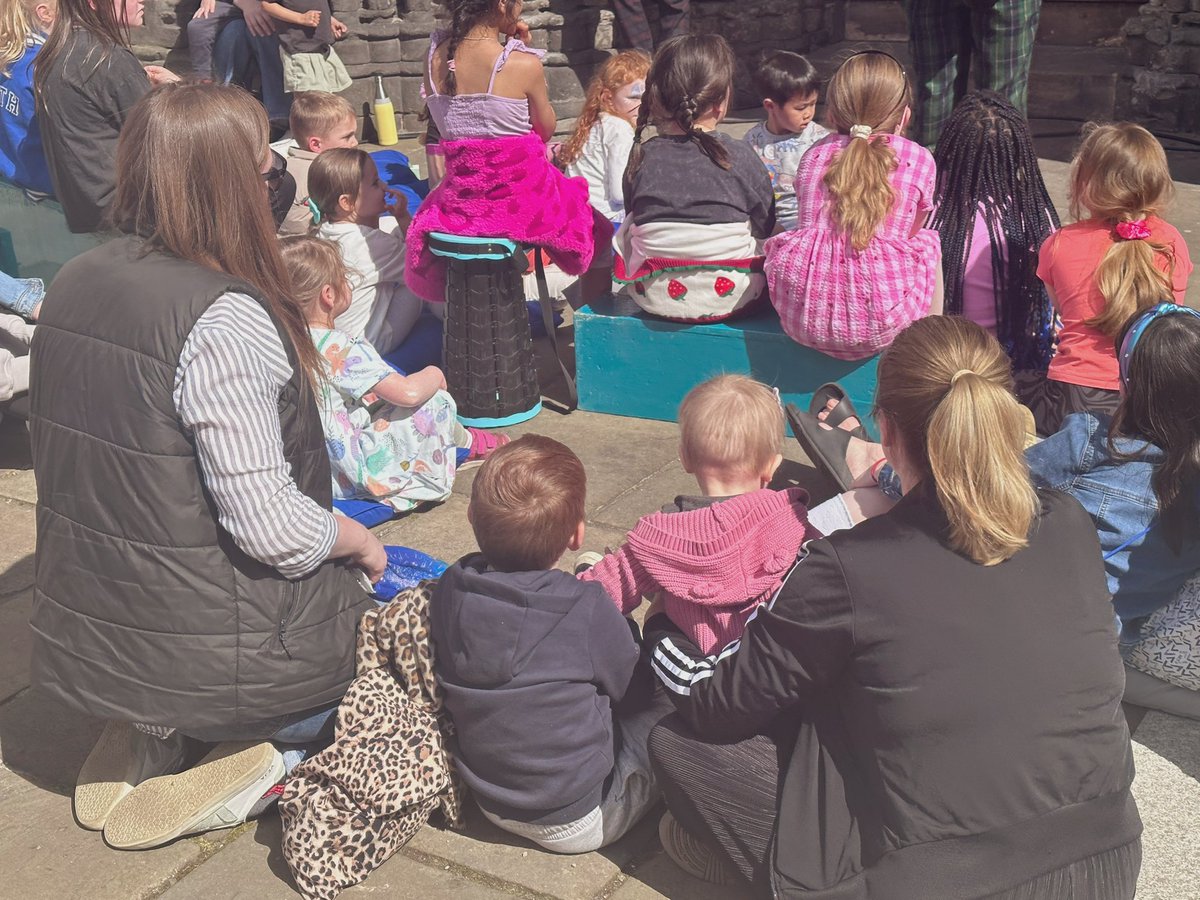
<point>961,727</point>
<point>531,665</point>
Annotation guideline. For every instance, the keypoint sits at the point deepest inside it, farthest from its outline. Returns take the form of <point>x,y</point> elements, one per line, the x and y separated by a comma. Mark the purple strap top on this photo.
<point>479,115</point>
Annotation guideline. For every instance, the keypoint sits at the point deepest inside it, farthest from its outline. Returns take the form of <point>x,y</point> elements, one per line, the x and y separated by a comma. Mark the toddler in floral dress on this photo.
<point>860,264</point>
<point>392,438</point>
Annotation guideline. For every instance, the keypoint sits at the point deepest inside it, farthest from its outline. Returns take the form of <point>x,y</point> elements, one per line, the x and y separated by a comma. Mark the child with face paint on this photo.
<point>599,147</point>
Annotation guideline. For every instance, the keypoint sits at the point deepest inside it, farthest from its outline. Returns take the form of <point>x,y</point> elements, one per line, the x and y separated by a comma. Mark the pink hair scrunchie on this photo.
<point>1136,230</point>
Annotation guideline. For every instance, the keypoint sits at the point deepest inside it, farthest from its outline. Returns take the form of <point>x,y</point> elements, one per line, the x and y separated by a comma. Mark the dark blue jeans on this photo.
<point>238,52</point>
<point>297,728</point>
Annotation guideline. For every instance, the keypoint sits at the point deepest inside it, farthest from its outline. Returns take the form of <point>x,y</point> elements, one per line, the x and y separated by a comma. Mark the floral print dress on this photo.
<point>378,451</point>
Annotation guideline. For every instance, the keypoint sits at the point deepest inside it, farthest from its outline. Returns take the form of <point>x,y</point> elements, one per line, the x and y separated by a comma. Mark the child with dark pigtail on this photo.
<point>697,202</point>
<point>992,212</point>
<point>489,103</point>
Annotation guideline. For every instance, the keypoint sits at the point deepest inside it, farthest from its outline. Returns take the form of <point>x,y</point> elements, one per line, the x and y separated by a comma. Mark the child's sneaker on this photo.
<point>693,855</point>
<point>483,445</point>
<point>220,791</point>
<point>586,560</point>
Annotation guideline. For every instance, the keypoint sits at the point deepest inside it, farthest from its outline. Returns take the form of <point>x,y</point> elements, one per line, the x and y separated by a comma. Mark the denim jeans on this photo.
<point>235,51</point>
<point>296,728</point>
<point>21,295</point>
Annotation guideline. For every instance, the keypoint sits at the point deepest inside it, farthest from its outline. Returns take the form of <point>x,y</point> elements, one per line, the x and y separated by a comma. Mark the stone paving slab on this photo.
<point>43,853</point>
<point>16,546</point>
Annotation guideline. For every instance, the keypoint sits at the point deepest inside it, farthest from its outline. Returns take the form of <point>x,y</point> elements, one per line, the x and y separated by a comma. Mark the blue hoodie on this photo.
<point>21,158</point>
<point>531,665</point>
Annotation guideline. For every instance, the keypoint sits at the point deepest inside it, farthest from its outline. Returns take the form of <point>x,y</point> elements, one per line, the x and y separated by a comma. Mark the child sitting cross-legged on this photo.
<point>392,438</point>
<point>551,699</point>
<point>712,559</point>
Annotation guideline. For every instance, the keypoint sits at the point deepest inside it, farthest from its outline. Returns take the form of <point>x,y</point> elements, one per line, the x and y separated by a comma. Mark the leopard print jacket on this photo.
<point>349,808</point>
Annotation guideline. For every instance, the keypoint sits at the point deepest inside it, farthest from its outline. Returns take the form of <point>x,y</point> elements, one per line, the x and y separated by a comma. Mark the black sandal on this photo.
<point>826,447</point>
<point>840,412</point>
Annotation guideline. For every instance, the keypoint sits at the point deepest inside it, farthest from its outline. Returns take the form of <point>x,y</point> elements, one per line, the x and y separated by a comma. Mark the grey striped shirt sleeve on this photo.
<point>231,372</point>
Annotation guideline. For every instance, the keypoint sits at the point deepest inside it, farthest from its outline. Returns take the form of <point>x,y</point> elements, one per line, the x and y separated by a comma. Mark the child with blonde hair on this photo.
<point>23,28</point>
<point>319,121</point>
<point>713,559</point>
<point>598,149</point>
<point>346,198</point>
<point>1117,259</point>
<point>391,438</point>
<point>860,264</point>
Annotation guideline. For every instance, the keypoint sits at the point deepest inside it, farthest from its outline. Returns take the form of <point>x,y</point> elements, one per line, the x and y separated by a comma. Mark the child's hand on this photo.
<point>397,205</point>
<point>311,19</point>
<point>159,76</point>
<point>339,28</point>
<point>520,31</point>
<point>207,8</point>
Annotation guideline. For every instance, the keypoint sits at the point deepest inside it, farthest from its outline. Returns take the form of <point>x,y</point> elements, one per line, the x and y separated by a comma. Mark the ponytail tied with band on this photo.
<point>959,374</point>
<point>1137,230</point>
<point>861,131</point>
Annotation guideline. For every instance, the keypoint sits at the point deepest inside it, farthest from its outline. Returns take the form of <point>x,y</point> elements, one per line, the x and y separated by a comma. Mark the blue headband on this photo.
<point>1134,332</point>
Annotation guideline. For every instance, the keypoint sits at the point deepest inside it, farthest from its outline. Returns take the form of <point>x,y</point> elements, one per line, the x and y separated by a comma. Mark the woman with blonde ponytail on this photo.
<point>1117,259</point>
<point>860,264</point>
<point>932,692</point>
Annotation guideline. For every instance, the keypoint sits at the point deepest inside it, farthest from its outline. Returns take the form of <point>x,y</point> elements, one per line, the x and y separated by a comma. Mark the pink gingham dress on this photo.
<point>851,304</point>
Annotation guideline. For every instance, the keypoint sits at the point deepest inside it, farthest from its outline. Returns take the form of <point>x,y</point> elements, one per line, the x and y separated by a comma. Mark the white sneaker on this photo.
<point>122,758</point>
<point>218,792</point>
<point>586,560</point>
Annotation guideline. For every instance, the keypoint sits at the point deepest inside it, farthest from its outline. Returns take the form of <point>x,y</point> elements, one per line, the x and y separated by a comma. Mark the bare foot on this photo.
<point>861,455</point>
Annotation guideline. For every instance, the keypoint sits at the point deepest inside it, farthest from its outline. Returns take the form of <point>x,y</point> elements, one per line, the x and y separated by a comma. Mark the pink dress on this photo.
<point>846,303</point>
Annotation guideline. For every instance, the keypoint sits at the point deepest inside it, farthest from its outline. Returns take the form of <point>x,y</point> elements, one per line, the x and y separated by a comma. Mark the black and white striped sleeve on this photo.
<point>792,646</point>
<point>231,372</point>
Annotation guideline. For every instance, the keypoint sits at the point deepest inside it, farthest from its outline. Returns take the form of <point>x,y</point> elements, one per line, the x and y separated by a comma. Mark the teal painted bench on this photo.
<point>629,364</point>
<point>34,239</point>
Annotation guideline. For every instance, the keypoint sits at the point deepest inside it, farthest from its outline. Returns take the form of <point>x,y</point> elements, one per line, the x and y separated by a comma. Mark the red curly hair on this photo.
<point>617,71</point>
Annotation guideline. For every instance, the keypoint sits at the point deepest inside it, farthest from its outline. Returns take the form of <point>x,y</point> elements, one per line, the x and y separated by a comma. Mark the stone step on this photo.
<point>1077,23</point>
<point>1072,82</point>
<point>614,340</point>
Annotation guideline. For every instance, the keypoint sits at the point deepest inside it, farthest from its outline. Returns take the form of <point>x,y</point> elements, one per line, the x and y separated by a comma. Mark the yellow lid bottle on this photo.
<point>384,116</point>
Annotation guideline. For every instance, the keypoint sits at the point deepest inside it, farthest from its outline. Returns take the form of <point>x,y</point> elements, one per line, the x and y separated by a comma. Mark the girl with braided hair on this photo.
<point>993,213</point>
<point>490,105</point>
<point>861,265</point>
<point>697,202</point>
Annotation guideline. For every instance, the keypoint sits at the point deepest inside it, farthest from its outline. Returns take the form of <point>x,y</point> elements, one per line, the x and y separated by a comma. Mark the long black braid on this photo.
<point>985,159</point>
<point>464,15</point>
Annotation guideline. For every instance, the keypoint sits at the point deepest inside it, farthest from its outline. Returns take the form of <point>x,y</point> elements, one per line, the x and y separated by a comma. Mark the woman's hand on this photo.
<point>160,76</point>
<point>258,22</point>
<point>359,547</point>
<point>207,8</point>
<point>372,559</point>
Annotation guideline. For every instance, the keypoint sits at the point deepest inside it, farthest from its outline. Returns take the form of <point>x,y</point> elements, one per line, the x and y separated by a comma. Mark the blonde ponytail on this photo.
<point>976,449</point>
<point>868,95</point>
<point>1120,175</point>
<point>1130,282</point>
<point>859,183</point>
<point>946,388</point>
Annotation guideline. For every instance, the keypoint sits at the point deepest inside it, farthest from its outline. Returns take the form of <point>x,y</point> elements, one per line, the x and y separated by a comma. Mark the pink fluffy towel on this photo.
<point>505,188</point>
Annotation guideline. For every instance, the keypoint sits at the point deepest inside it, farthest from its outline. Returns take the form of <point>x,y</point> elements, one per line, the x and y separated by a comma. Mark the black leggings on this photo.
<point>727,795</point>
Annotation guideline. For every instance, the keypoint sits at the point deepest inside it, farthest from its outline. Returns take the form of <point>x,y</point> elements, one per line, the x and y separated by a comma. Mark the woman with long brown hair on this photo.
<point>86,80</point>
<point>191,580</point>
<point>930,706</point>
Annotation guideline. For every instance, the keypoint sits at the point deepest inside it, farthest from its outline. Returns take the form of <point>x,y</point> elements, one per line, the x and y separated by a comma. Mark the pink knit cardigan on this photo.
<point>711,567</point>
<point>503,187</point>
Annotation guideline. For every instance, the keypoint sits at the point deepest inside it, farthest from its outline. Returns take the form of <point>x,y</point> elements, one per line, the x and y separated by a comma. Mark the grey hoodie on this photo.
<point>531,665</point>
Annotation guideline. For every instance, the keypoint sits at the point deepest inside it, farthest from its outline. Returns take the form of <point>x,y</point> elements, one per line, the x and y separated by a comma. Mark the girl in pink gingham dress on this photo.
<point>860,265</point>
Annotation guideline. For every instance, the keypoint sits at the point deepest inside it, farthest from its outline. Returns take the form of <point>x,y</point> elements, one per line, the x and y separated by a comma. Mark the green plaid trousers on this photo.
<point>948,37</point>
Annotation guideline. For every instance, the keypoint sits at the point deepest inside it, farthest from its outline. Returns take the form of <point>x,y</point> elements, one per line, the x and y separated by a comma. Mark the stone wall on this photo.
<point>391,37</point>
<point>1163,42</point>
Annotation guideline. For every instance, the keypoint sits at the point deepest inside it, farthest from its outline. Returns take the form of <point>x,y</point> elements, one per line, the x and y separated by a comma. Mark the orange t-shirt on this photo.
<point>1067,265</point>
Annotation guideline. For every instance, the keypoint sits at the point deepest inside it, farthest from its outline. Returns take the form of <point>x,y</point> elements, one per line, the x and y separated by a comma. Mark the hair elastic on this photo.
<point>1137,328</point>
<point>1137,230</point>
<point>861,131</point>
<point>314,209</point>
<point>960,373</point>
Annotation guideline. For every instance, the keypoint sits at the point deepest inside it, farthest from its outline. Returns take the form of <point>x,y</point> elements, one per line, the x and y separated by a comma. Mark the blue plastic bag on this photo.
<point>406,568</point>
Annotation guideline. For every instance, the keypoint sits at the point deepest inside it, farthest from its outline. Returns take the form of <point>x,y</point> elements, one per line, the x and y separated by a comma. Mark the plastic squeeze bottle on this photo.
<point>384,116</point>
